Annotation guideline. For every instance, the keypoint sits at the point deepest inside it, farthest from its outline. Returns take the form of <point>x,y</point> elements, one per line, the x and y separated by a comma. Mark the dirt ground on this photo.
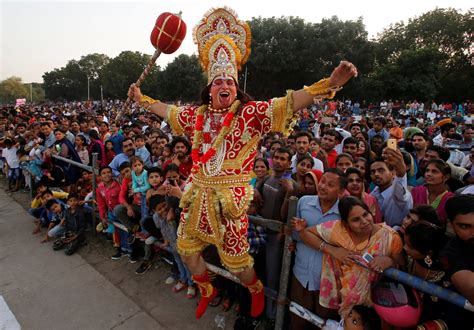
<point>149,290</point>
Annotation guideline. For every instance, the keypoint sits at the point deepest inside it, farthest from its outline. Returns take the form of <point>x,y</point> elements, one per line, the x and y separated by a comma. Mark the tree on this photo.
<point>92,65</point>
<point>11,89</point>
<point>414,75</point>
<point>67,83</point>
<point>181,80</point>
<point>449,32</point>
<point>287,52</point>
<point>123,70</point>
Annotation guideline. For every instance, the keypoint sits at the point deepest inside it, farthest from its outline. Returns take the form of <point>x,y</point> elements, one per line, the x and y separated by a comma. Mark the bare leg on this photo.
<point>195,263</point>
<point>246,276</point>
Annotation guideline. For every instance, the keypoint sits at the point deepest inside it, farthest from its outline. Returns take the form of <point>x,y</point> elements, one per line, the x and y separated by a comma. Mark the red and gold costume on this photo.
<point>217,196</point>
<point>218,192</point>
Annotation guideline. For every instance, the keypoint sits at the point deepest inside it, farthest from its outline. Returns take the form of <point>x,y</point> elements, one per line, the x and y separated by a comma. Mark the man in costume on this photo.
<point>225,131</point>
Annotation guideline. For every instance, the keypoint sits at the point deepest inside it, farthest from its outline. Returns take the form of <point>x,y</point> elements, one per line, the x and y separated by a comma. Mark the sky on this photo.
<point>39,36</point>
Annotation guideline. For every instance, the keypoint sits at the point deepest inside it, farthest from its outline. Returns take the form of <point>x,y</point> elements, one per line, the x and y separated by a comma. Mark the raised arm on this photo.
<point>158,108</point>
<point>326,87</point>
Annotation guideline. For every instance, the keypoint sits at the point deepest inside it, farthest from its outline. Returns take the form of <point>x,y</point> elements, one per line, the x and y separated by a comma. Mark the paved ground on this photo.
<point>47,290</point>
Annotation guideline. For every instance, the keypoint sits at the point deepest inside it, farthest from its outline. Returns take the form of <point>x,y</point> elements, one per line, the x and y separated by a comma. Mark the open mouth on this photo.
<point>224,97</point>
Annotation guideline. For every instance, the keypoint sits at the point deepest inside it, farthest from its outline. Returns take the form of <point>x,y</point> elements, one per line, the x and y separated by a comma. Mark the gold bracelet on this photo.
<point>146,100</point>
<point>321,89</point>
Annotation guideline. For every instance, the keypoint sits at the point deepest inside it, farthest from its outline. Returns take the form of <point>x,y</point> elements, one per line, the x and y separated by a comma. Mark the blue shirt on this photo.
<point>49,141</point>
<point>395,201</point>
<point>144,154</point>
<point>308,261</point>
<point>116,162</point>
<point>383,133</point>
<point>117,140</point>
<point>140,182</point>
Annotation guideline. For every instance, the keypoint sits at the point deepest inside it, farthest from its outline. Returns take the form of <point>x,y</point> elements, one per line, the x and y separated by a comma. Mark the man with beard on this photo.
<point>181,156</point>
<point>329,141</point>
<point>389,175</point>
<point>226,130</point>
<point>302,148</point>
<point>275,192</point>
<point>376,144</point>
<point>420,142</point>
<point>458,258</point>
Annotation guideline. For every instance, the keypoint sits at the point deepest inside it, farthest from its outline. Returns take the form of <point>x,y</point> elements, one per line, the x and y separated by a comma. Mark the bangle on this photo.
<point>146,100</point>
<point>321,246</point>
<point>321,89</point>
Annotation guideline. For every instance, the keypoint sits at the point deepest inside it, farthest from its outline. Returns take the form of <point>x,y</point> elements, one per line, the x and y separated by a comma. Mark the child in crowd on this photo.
<point>31,168</point>
<point>74,227</point>
<point>53,175</point>
<point>359,318</point>
<point>173,187</point>
<point>56,226</point>
<point>107,195</point>
<point>167,154</point>
<point>156,152</point>
<point>127,213</point>
<point>109,152</point>
<point>155,178</point>
<point>140,185</point>
<point>82,148</point>
<point>83,186</point>
<point>168,229</point>
<point>38,205</point>
<point>11,158</point>
<point>141,150</point>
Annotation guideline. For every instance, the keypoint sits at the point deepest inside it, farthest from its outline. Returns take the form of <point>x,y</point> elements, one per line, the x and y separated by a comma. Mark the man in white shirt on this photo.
<point>446,130</point>
<point>14,173</point>
<point>302,148</point>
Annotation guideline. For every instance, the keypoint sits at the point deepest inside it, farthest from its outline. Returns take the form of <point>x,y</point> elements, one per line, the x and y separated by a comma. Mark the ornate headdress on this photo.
<point>223,43</point>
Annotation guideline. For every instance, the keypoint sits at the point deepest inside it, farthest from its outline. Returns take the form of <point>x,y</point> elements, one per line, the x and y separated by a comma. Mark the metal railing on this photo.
<point>95,172</point>
<point>283,302</point>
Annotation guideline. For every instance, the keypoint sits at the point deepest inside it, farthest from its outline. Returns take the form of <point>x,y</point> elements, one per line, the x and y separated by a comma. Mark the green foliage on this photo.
<point>429,57</point>
<point>445,38</point>
<point>122,71</point>
<point>181,80</point>
<point>287,52</point>
<point>67,83</point>
<point>11,89</point>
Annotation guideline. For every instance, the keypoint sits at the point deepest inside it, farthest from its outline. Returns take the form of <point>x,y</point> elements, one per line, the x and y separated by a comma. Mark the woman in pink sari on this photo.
<point>344,283</point>
<point>435,191</point>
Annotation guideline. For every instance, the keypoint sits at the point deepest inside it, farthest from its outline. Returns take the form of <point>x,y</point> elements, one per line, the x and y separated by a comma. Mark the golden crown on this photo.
<point>223,43</point>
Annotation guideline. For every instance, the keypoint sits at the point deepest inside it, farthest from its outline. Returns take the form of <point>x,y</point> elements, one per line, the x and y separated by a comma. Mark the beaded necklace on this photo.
<point>199,158</point>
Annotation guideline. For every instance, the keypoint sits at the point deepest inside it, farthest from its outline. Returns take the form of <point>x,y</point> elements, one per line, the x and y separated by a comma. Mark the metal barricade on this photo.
<point>95,172</point>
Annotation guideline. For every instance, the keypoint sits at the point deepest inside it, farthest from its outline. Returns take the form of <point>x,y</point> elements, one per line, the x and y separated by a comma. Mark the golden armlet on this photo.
<point>146,101</point>
<point>321,89</point>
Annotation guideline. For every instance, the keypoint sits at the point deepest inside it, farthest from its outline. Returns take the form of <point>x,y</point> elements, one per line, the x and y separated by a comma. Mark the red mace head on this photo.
<point>168,33</point>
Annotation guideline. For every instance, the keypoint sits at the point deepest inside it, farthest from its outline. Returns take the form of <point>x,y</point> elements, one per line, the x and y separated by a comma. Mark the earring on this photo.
<point>210,99</point>
<point>428,261</point>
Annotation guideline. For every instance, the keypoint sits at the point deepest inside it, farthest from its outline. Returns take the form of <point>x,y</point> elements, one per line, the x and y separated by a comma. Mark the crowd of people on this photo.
<point>408,205</point>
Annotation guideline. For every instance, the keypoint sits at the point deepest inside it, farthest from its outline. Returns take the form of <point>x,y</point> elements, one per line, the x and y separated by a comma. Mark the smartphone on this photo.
<point>172,181</point>
<point>392,144</point>
<point>367,257</point>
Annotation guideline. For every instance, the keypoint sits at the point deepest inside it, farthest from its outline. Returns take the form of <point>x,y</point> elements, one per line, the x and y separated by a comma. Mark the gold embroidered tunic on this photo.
<point>215,206</point>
